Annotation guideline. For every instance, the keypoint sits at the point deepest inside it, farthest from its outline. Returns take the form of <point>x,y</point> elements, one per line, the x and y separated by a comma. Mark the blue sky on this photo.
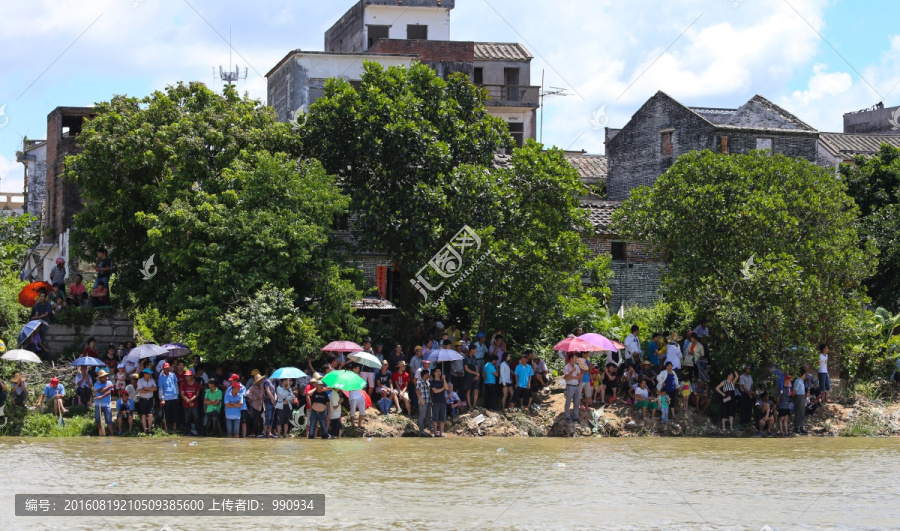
<point>609,54</point>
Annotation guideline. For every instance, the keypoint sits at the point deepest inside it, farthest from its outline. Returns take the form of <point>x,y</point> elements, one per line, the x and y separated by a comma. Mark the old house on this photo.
<point>876,119</point>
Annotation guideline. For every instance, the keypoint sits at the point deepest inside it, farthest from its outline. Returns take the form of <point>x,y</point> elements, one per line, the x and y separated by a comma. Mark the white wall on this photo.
<point>437,20</point>
<point>323,66</point>
<point>514,115</point>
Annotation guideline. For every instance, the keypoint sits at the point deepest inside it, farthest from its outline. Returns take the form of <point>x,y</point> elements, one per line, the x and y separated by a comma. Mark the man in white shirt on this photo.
<point>745,383</point>
<point>800,398</point>
<point>824,378</point>
<point>633,346</point>
<point>673,353</point>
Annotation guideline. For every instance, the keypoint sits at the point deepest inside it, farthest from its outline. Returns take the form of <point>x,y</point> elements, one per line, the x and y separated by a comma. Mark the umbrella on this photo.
<point>87,361</point>
<point>618,345</point>
<point>2,346</point>
<point>145,351</point>
<point>443,354</point>
<point>177,350</point>
<point>599,341</point>
<point>364,358</point>
<point>366,396</point>
<point>21,355</point>
<point>344,380</point>
<point>29,329</point>
<point>29,295</point>
<point>342,346</point>
<point>573,344</point>
<point>288,372</point>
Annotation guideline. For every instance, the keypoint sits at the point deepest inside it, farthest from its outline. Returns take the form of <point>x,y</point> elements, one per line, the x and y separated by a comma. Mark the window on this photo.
<point>511,81</point>
<point>765,143</point>
<point>723,145</point>
<point>666,142</point>
<point>377,33</point>
<point>619,251</point>
<point>517,130</point>
<point>478,76</point>
<point>417,32</point>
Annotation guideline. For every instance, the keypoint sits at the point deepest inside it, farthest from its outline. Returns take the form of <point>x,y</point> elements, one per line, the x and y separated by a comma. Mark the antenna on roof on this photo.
<point>230,76</point>
<point>551,91</point>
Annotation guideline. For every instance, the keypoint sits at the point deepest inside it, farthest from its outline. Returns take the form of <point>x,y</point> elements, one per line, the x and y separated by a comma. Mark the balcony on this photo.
<point>513,95</point>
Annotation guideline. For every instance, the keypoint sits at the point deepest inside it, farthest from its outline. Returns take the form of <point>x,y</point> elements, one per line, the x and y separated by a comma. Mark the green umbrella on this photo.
<point>344,380</point>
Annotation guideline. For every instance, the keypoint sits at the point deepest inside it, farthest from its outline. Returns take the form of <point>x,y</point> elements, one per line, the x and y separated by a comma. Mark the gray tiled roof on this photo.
<point>591,168</point>
<point>501,51</point>
<point>856,144</point>
<point>600,214</point>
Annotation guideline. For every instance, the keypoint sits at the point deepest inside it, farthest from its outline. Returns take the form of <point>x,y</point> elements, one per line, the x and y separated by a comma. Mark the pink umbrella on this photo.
<point>342,346</point>
<point>599,341</point>
<point>573,344</point>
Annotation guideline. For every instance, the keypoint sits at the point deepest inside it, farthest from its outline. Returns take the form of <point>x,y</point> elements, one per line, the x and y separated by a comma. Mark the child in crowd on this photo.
<point>121,380</point>
<point>663,406</point>
<point>685,394</point>
<point>785,404</point>
<point>124,409</point>
<point>453,400</point>
<point>595,384</point>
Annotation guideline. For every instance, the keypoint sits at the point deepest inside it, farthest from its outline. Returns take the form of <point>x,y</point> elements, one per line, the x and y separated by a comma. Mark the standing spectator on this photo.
<point>726,391</point>
<point>212,401</point>
<point>89,350</point>
<point>110,358</point>
<point>168,398</point>
<point>190,392</point>
<point>121,379</point>
<point>284,400</point>
<point>234,401</point>
<point>58,273</point>
<point>84,387</point>
<point>663,406</point>
<point>368,373</point>
<point>801,395</point>
<point>482,349</point>
<point>653,351</point>
<point>358,401</point>
<point>269,400</point>
<point>54,392</point>
<point>471,381</point>
<point>395,358</point>
<point>746,388</point>
<point>42,308</point>
<point>103,267</point>
<point>146,387</point>
<point>523,382</point>
<point>318,415</point>
<point>785,404</point>
<point>438,403</point>
<point>457,368</point>
<point>490,383</point>
<point>334,414</point>
<point>633,347</point>
<point>673,353</point>
<point>77,293</point>
<point>505,382</point>
<point>131,388</point>
<point>416,362</point>
<point>824,378</point>
<point>255,397</point>
<point>103,402</point>
<point>572,376</point>
<point>586,387</point>
<point>692,355</point>
<point>423,392</point>
<point>401,382</point>
<point>125,411</point>
<point>702,333</point>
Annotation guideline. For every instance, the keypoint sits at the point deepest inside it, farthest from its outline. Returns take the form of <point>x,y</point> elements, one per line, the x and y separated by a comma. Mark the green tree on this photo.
<point>764,245</point>
<point>17,235</point>
<point>874,183</point>
<point>418,156</point>
<point>210,187</point>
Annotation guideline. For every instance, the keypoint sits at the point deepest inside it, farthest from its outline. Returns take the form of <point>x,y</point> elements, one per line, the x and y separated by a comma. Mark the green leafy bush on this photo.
<point>46,425</point>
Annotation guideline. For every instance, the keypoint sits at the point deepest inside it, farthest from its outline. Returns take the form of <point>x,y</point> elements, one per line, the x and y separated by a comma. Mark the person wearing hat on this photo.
<point>318,416</point>
<point>58,273</point>
<point>124,411</point>
<point>146,387</point>
<point>103,389</point>
<point>189,390</point>
<point>234,402</point>
<point>212,401</point>
<point>168,398</point>
<point>400,379</point>
<point>415,363</point>
<point>54,392</point>
<point>19,390</point>
<point>255,405</point>
<point>131,387</point>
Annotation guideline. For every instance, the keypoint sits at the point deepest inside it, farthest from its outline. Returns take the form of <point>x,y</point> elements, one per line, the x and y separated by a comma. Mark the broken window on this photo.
<point>417,32</point>
<point>478,76</point>
<point>619,251</point>
<point>764,143</point>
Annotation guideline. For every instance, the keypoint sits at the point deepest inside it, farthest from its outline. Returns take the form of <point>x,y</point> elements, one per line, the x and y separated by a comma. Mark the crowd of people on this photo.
<point>660,380</point>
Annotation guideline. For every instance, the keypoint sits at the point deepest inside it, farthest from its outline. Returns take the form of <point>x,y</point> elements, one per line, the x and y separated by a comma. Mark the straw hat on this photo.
<point>257,378</point>
<point>101,373</point>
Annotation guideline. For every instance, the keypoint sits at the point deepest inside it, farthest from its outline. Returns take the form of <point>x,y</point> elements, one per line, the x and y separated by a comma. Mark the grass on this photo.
<point>46,425</point>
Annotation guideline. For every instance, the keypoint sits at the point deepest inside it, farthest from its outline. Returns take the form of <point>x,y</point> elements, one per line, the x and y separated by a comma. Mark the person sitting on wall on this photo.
<point>100,295</point>
<point>77,291</point>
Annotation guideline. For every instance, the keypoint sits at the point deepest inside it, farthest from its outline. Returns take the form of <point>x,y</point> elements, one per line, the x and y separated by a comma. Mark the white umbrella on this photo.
<point>148,350</point>
<point>21,355</point>
<point>364,358</point>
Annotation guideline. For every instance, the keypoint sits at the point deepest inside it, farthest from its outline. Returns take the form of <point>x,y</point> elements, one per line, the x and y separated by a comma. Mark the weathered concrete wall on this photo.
<point>874,121</point>
<point>105,330</point>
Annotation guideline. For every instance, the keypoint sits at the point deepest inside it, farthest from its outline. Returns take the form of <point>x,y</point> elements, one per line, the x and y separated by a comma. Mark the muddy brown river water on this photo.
<point>540,483</point>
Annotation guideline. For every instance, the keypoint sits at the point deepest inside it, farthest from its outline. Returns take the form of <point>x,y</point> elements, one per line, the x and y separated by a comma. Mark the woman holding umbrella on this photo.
<point>84,387</point>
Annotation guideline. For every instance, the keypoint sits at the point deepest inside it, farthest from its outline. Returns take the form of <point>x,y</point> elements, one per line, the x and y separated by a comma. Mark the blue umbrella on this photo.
<point>442,355</point>
<point>87,361</point>
<point>288,372</point>
<point>29,329</point>
<point>145,351</point>
<point>176,350</point>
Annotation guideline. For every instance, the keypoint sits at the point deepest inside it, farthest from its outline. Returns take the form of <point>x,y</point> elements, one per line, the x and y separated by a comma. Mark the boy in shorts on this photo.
<point>124,410</point>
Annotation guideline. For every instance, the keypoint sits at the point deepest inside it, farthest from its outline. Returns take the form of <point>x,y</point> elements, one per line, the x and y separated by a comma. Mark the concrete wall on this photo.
<point>874,121</point>
<point>114,330</point>
<point>63,198</point>
<point>398,17</point>
<point>35,161</point>
<point>494,71</point>
<point>516,115</point>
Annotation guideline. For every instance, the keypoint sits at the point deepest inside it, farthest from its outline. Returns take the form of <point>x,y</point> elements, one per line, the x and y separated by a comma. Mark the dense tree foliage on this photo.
<point>210,186</point>
<point>765,246</point>
<point>874,183</point>
<point>417,155</point>
<point>17,235</point>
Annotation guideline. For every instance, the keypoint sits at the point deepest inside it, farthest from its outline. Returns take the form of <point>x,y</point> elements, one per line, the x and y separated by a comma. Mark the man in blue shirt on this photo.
<point>103,389</point>
<point>168,398</point>
<point>54,392</point>
<point>800,396</point>
<point>523,372</point>
<point>653,351</point>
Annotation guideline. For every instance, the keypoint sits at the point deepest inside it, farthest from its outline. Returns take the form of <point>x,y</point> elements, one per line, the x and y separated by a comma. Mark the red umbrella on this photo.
<point>573,344</point>
<point>28,297</point>
<point>342,346</point>
<point>365,395</point>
